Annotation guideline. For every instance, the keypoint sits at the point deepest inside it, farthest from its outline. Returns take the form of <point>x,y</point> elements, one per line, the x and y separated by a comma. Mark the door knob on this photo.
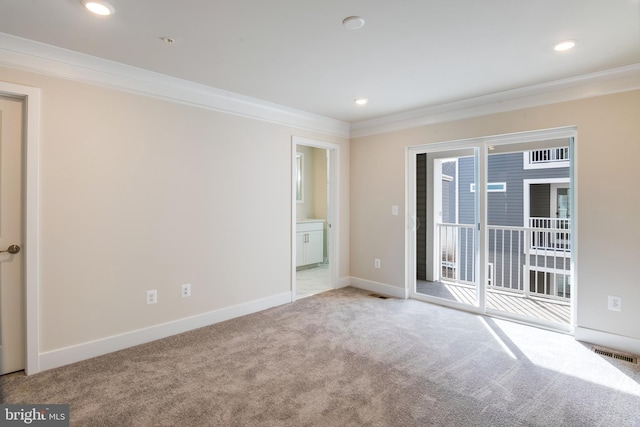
<point>13,249</point>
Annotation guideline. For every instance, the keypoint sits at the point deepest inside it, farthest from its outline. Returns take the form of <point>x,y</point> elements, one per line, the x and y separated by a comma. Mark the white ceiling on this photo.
<point>410,54</point>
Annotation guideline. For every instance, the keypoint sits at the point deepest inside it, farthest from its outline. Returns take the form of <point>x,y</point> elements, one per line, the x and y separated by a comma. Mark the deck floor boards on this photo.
<point>507,302</point>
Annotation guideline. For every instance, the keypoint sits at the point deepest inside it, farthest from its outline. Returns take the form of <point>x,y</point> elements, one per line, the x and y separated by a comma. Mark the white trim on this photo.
<point>76,353</point>
<point>550,165</point>
<point>532,321</point>
<point>457,305</point>
<point>41,58</point>
<point>333,211</point>
<point>600,83</point>
<point>380,288</point>
<point>482,144</point>
<point>573,176</point>
<point>606,339</point>
<point>343,282</point>
<point>489,274</point>
<point>31,97</point>
<point>299,176</point>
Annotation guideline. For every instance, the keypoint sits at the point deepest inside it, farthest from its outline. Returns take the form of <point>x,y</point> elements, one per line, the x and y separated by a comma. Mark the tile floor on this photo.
<point>311,281</point>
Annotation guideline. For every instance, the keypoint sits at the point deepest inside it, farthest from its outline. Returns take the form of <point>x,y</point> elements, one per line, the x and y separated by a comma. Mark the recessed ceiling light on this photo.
<point>361,101</point>
<point>99,7</point>
<point>353,22</point>
<point>564,45</point>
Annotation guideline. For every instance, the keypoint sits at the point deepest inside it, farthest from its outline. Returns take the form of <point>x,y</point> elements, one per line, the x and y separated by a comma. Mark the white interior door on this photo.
<point>12,331</point>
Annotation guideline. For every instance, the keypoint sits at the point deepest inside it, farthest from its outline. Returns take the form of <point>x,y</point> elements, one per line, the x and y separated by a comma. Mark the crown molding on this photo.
<point>28,55</point>
<point>606,82</point>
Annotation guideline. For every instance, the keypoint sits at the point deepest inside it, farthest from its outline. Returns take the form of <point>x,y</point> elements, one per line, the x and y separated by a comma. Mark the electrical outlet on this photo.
<point>614,303</point>
<point>185,290</point>
<point>376,263</point>
<point>394,210</point>
<point>152,297</point>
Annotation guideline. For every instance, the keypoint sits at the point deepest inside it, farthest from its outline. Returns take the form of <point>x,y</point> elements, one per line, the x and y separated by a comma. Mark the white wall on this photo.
<point>138,193</point>
<point>607,153</point>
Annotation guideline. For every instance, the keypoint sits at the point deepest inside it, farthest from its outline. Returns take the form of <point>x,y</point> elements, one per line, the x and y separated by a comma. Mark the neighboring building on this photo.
<point>528,214</point>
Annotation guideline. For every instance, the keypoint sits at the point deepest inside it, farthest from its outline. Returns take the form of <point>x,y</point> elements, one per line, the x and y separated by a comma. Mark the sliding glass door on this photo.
<point>490,226</point>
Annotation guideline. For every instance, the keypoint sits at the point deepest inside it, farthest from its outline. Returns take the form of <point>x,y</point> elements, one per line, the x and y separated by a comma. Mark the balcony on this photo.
<point>546,158</point>
<point>528,268</point>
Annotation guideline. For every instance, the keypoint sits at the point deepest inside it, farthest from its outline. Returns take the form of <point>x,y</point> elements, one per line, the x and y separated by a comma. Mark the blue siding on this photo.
<point>466,176</point>
<point>507,208</point>
<point>448,193</point>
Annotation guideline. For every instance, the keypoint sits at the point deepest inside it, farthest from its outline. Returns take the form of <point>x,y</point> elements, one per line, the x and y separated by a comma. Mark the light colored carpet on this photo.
<point>343,358</point>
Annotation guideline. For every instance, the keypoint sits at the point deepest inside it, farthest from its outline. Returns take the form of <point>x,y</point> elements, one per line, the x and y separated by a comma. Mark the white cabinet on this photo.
<point>309,242</point>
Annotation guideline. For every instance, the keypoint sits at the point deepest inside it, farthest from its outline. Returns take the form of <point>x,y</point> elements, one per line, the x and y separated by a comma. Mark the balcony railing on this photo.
<point>549,155</point>
<point>551,234</point>
<point>534,261</point>
<point>456,243</point>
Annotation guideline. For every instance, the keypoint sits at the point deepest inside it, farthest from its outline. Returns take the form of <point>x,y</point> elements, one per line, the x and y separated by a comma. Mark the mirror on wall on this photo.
<point>299,183</point>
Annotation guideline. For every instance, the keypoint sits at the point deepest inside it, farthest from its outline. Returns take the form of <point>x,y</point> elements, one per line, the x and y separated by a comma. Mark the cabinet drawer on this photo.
<point>303,227</point>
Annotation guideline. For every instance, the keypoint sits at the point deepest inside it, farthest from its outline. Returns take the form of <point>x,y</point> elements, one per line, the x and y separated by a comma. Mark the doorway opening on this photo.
<point>492,233</point>
<point>315,213</point>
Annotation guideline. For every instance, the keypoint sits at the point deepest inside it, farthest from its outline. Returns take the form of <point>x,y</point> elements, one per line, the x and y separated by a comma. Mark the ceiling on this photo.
<point>410,54</point>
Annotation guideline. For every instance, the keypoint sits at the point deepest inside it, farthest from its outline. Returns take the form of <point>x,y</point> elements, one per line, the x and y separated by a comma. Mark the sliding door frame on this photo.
<point>483,146</point>
<point>443,149</point>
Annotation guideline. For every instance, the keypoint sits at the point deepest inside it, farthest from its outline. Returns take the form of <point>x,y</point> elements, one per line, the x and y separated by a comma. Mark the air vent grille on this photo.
<point>615,355</point>
<point>378,296</point>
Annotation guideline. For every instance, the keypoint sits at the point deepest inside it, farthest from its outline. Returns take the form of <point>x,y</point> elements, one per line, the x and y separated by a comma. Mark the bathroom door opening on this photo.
<point>314,214</point>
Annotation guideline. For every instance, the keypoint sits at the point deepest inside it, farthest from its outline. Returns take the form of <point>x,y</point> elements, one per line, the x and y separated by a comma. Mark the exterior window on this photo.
<point>492,187</point>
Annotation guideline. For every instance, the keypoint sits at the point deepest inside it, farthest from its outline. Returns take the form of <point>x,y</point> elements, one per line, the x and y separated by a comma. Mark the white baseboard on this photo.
<point>76,353</point>
<point>343,282</point>
<point>380,288</point>
<point>606,339</point>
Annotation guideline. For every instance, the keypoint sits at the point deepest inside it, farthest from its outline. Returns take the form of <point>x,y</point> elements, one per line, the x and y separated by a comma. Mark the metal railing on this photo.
<point>551,233</point>
<point>515,264</point>
<point>532,261</point>
<point>456,245</point>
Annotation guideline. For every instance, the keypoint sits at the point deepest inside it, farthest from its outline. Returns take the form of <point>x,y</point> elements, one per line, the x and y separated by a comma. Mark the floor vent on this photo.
<point>615,355</point>
<point>378,296</point>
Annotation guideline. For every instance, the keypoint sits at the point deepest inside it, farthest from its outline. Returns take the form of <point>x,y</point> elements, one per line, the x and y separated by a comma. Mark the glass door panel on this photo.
<point>447,218</point>
<point>529,233</point>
